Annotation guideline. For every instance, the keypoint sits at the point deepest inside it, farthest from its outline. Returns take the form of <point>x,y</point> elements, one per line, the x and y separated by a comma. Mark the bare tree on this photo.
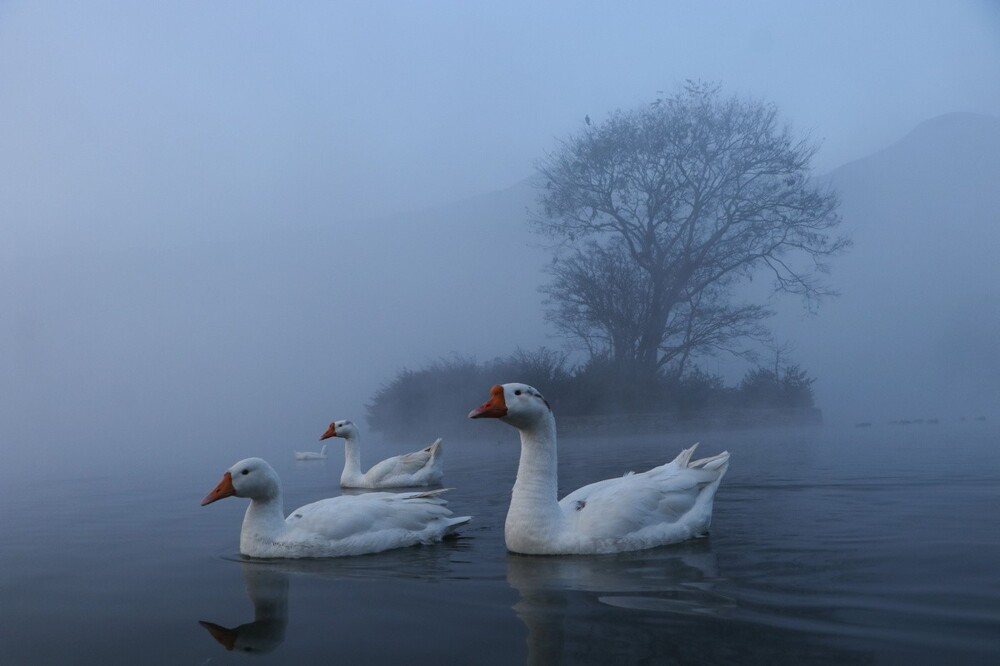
<point>782,352</point>
<point>600,298</point>
<point>677,203</point>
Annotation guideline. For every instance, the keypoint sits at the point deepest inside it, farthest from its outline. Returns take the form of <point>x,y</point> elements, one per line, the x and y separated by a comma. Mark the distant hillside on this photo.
<point>915,330</point>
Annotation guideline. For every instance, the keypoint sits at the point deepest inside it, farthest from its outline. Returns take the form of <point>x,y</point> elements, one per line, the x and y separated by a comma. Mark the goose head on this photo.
<point>344,429</point>
<point>517,404</point>
<point>252,478</point>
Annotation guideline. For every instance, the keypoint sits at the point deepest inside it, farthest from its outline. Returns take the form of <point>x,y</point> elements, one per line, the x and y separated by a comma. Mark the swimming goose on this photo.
<point>666,504</point>
<point>333,527</point>
<point>311,455</point>
<point>420,468</point>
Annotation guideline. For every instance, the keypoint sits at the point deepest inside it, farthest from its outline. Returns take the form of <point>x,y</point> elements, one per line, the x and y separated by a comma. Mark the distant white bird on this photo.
<point>666,504</point>
<point>332,527</point>
<point>420,468</point>
<point>311,455</point>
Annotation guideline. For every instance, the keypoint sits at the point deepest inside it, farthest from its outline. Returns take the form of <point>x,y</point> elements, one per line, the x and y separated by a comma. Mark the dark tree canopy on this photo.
<point>664,210</point>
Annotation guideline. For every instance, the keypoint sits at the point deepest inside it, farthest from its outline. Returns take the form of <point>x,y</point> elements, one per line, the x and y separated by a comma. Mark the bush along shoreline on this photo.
<point>598,396</point>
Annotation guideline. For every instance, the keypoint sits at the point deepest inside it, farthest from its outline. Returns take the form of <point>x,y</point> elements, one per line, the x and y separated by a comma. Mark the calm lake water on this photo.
<point>873,545</point>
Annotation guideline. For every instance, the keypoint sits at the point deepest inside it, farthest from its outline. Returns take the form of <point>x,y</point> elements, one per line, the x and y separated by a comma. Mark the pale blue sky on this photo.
<point>140,116</point>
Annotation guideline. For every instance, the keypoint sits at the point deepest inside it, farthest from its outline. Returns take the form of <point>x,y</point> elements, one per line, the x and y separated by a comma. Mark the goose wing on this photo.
<point>352,516</point>
<point>661,496</point>
<point>407,464</point>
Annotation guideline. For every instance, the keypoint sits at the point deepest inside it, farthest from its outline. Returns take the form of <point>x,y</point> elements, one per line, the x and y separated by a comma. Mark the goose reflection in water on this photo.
<point>267,588</point>
<point>267,585</point>
<point>568,602</point>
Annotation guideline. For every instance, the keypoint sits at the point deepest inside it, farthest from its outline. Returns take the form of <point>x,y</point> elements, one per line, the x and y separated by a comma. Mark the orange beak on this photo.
<point>224,489</point>
<point>330,432</point>
<point>227,637</point>
<point>493,408</point>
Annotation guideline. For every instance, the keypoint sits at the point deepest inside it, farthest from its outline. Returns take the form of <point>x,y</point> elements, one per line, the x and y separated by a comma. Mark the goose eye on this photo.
<point>517,392</point>
<point>245,472</point>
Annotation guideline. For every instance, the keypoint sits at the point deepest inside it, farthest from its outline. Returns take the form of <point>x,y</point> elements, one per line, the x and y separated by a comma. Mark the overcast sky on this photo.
<point>254,111</point>
<point>143,137</point>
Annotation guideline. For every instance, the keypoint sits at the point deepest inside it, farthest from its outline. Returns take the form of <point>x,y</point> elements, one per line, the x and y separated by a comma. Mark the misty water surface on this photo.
<point>858,545</point>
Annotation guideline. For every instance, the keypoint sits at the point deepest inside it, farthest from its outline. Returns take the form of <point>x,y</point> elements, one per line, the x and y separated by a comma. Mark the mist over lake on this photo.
<point>262,332</point>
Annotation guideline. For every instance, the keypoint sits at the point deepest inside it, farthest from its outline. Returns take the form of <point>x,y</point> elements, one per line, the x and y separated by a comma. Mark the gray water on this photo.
<point>854,545</point>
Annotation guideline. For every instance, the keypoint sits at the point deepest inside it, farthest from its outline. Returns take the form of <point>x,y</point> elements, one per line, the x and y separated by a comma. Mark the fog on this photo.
<point>229,220</point>
<point>912,333</point>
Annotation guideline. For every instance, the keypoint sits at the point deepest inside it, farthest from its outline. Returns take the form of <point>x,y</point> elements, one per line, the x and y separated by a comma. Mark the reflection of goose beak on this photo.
<point>268,591</point>
<point>227,637</point>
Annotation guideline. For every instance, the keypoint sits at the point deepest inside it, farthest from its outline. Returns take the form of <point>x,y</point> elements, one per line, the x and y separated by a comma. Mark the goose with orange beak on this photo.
<point>420,468</point>
<point>667,504</point>
<point>332,527</point>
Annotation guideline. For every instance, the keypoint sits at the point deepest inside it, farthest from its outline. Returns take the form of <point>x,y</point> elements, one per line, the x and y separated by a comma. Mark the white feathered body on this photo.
<point>348,525</point>
<point>420,468</point>
<point>667,504</point>
<point>333,527</point>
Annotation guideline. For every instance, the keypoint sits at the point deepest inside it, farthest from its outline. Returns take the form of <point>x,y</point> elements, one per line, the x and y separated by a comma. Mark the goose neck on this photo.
<point>535,491</point>
<point>269,592</point>
<point>352,459</point>
<point>264,519</point>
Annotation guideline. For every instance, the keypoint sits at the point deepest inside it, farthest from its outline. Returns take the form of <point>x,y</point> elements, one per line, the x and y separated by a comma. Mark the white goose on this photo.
<point>666,504</point>
<point>420,468</point>
<point>311,455</point>
<point>333,527</point>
